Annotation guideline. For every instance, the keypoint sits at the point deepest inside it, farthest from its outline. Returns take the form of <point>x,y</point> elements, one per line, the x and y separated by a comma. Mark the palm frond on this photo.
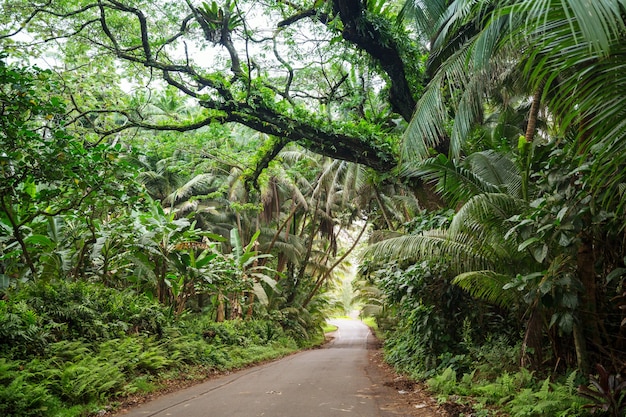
<point>200,184</point>
<point>426,128</point>
<point>497,169</point>
<point>489,286</point>
<point>292,252</point>
<point>461,252</point>
<point>455,183</point>
<point>487,209</point>
<point>425,13</point>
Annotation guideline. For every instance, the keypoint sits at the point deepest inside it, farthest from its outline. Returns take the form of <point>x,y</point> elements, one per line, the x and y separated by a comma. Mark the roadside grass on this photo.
<point>329,328</point>
<point>373,325</point>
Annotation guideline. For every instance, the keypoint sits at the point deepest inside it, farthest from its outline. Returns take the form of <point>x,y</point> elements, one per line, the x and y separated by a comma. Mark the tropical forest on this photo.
<point>191,186</point>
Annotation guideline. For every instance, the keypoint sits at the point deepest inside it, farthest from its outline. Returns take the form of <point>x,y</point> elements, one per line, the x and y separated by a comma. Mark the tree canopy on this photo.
<point>335,77</point>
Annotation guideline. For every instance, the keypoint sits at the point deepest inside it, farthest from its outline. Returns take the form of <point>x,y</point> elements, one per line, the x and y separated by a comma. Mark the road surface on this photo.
<point>324,382</point>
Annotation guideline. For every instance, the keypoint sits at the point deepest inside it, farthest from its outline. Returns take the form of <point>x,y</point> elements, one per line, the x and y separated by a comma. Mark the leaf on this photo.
<point>253,239</point>
<point>570,300</point>
<point>4,281</point>
<point>42,240</point>
<point>540,253</point>
<point>561,214</point>
<point>527,243</point>
<point>260,293</point>
<point>616,273</point>
<point>203,260</point>
<point>214,237</point>
<point>489,286</point>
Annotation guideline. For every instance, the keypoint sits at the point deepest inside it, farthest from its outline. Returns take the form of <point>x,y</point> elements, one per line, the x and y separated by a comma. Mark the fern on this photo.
<point>21,391</point>
<point>69,351</point>
<point>444,383</point>
<point>549,400</point>
<point>89,380</point>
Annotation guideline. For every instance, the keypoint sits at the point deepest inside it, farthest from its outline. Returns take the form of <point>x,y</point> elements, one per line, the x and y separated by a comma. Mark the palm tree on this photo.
<point>565,53</point>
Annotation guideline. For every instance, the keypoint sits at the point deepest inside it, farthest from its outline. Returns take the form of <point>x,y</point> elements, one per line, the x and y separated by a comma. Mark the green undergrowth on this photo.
<point>329,328</point>
<point>75,349</point>
<point>484,378</point>
<point>517,394</point>
<point>487,380</point>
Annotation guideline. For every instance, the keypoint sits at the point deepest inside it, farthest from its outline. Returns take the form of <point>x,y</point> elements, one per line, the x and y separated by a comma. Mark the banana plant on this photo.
<point>249,272</point>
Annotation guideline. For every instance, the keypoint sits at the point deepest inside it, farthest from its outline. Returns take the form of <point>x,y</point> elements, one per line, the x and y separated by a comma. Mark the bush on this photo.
<point>21,330</point>
<point>241,332</point>
<point>39,314</point>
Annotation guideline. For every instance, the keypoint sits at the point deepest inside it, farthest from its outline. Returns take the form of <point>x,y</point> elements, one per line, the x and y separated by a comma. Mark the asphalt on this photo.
<point>324,382</point>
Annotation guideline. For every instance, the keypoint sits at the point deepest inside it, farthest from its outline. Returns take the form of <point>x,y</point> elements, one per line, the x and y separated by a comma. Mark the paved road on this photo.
<point>317,383</point>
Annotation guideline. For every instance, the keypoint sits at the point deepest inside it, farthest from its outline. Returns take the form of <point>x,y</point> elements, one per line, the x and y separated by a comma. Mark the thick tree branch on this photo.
<point>381,46</point>
<point>376,40</point>
<point>320,140</point>
<point>252,107</point>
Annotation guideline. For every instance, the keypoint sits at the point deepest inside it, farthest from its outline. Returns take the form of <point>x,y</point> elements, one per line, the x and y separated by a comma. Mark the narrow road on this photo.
<point>323,382</point>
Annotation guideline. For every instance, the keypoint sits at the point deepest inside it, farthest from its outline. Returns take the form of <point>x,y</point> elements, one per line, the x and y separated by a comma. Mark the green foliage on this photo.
<point>443,383</point>
<point>516,393</point>
<point>19,397</point>
<point>88,379</point>
<point>41,313</point>
<point>113,350</point>
<point>548,399</point>
<point>46,171</point>
<point>429,220</point>
<point>21,329</point>
<point>242,333</point>
<point>494,355</point>
<point>429,312</point>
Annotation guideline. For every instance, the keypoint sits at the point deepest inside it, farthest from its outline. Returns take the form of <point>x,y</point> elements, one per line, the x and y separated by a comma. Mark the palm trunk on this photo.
<point>529,137</point>
<point>585,261</point>
<point>319,283</point>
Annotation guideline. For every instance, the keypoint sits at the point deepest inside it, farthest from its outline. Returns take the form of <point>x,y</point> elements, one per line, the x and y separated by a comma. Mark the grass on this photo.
<point>329,328</point>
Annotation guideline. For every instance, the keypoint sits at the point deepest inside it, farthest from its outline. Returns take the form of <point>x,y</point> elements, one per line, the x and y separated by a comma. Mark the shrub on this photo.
<point>21,330</point>
<point>17,396</point>
<point>39,314</point>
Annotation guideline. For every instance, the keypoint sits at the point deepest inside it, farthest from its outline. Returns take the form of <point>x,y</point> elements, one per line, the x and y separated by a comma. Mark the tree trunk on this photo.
<point>330,270</point>
<point>375,39</point>
<point>250,305</point>
<point>221,310</point>
<point>580,344</point>
<point>532,346</point>
<point>588,325</point>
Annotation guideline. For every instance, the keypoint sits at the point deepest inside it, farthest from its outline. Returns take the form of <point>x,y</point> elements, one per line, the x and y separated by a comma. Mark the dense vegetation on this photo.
<point>180,179</point>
